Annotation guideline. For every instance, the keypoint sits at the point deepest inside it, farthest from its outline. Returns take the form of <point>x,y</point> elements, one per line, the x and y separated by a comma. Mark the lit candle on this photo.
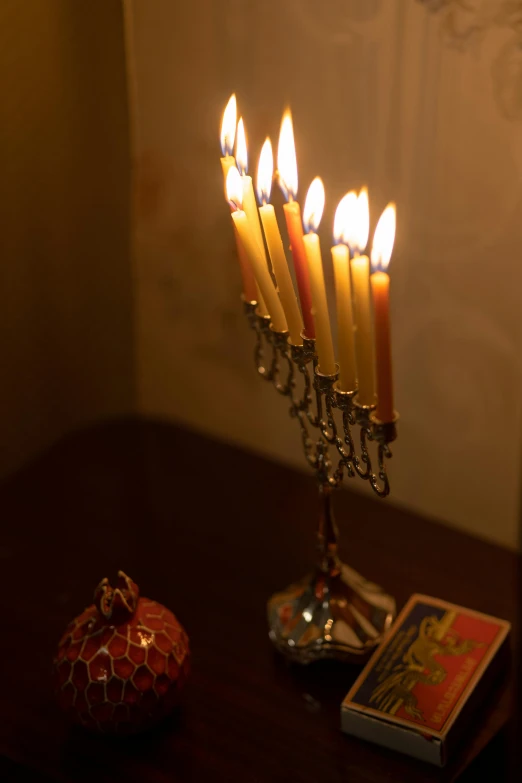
<point>249,241</point>
<point>343,292</point>
<point>249,201</point>
<point>228,133</point>
<point>227,136</point>
<point>313,211</point>
<point>287,170</point>
<point>360,267</point>
<point>274,242</point>
<point>382,247</point>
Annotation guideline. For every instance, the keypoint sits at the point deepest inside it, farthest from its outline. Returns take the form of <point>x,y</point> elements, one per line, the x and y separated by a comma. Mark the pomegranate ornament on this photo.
<point>121,664</point>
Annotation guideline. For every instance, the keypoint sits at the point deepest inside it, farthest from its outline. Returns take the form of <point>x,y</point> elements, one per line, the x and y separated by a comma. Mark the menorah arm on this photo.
<point>284,364</point>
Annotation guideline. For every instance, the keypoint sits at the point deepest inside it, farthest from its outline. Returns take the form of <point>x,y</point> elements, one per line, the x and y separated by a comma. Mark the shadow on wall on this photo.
<point>66,326</point>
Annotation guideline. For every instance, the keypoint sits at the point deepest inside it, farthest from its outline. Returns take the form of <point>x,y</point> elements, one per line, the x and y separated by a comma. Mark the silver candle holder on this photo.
<point>334,612</point>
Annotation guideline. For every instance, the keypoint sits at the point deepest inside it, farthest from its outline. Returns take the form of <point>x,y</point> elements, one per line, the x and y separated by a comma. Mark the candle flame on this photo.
<point>265,172</point>
<point>228,126</point>
<point>358,238</point>
<point>234,188</point>
<point>286,158</point>
<point>356,221</point>
<point>241,148</point>
<point>314,205</point>
<point>384,238</point>
<point>345,218</point>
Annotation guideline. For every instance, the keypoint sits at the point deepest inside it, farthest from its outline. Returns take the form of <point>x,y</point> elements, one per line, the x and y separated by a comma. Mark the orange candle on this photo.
<point>287,166</point>
<point>228,132</point>
<point>381,253</point>
<point>250,290</point>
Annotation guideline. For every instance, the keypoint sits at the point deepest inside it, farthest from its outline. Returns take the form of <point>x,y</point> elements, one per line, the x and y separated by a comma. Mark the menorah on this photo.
<point>335,612</point>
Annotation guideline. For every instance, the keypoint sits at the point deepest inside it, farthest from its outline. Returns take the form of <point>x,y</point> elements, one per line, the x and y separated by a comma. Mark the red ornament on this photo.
<point>122,663</point>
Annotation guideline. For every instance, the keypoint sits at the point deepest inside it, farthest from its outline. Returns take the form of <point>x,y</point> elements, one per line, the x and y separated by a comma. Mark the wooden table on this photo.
<point>210,531</point>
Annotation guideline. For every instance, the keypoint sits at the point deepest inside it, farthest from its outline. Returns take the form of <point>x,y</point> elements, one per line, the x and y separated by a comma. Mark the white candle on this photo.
<point>245,230</point>
<point>275,245</point>
<point>356,237</point>
<point>343,293</point>
<point>312,214</point>
<point>249,202</point>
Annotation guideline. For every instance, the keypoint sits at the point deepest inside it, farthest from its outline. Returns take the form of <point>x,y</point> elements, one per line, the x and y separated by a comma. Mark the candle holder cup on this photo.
<point>334,612</point>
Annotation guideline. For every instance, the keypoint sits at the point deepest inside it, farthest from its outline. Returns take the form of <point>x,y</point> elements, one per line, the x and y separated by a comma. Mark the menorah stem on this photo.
<point>334,612</point>
<point>327,533</point>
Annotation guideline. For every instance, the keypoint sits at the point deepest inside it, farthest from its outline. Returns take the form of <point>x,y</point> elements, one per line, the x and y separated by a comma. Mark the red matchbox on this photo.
<point>436,662</point>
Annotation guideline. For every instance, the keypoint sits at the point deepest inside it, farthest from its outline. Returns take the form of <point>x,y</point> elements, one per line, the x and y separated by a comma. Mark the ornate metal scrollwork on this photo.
<point>327,416</point>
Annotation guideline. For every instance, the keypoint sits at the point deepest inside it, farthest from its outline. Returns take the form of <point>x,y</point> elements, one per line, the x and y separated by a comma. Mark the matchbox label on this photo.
<point>426,665</point>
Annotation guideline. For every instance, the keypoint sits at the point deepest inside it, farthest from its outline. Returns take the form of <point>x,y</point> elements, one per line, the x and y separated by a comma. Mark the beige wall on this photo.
<point>423,108</point>
<point>66,320</point>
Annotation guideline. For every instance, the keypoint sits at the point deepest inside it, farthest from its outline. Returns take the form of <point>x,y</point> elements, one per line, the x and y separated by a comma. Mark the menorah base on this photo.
<point>335,614</point>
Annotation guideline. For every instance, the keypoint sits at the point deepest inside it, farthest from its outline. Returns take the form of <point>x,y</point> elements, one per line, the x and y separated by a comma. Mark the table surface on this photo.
<point>211,531</point>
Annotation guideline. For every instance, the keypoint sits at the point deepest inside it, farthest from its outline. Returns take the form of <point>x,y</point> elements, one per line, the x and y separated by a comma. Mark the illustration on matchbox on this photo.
<point>419,665</point>
<point>427,665</point>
